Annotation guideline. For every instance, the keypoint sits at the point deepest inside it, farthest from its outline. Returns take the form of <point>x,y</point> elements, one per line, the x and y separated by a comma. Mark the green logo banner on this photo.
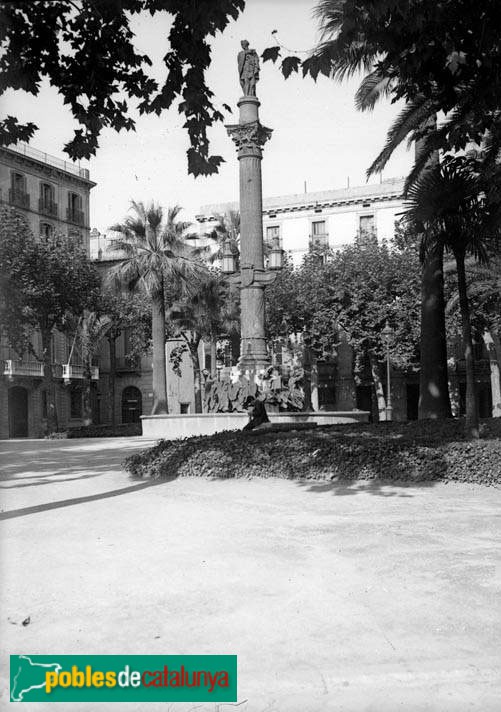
<point>123,678</point>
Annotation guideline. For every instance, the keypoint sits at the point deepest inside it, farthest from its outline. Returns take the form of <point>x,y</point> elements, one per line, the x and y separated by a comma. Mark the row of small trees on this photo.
<point>351,293</point>
<point>160,286</point>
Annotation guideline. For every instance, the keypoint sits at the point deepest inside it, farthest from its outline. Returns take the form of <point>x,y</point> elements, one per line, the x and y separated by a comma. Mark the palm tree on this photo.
<point>156,255</point>
<point>416,122</point>
<point>202,313</point>
<point>452,207</point>
<point>89,331</point>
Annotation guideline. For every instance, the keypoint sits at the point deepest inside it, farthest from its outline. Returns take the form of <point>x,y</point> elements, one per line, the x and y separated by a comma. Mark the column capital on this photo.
<point>249,138</point>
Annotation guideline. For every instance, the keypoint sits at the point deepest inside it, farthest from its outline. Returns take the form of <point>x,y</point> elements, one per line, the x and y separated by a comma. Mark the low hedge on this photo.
<point>105,431</point>
<point>409,452</point>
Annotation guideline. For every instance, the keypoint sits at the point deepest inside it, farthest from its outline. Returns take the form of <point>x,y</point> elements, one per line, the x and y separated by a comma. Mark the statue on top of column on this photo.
<point>248,69</point>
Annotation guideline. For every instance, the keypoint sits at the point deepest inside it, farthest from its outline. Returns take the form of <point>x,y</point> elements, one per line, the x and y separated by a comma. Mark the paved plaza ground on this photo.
<point>334,597</point>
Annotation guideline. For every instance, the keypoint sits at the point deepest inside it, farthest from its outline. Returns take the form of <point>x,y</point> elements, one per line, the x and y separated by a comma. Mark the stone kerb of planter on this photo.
<point>171,427</point>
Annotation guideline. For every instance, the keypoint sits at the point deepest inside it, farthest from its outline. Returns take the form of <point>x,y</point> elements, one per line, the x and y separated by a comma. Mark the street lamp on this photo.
<point>388,335</point>
<point>229,262</point>
<point>276,252</point>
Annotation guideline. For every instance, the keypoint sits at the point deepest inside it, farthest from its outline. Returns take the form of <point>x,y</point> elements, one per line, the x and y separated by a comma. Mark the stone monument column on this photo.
<point>249,136</point>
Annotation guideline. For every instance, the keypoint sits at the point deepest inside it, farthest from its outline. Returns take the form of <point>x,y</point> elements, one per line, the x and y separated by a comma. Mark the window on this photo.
<point>75,403</point>
<point>44,404</point>
<point>46,202</point>
<point>18,181</point>
<point>272,231</point>
<point>17,193</point>
<point>272,235</point>
<point>367,225</point>
<point>185,408</point>
<point>74,212</point>
<point>318,228</point>
<point>367,230</point>
<point>319,238</point>
<point>46,230</point>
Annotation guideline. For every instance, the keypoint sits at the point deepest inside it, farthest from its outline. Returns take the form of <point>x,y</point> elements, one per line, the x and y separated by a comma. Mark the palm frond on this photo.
<point>447,206</point>
<point>330,15</point>
<point>411,118</point>
<point>373,87</point>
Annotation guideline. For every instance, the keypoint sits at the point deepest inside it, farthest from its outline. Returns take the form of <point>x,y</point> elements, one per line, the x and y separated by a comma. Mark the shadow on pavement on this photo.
<point>376,487</point>
<point>35,509</point>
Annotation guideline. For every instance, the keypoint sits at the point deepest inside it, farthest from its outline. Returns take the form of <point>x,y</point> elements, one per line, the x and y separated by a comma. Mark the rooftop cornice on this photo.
<point>48,170</point>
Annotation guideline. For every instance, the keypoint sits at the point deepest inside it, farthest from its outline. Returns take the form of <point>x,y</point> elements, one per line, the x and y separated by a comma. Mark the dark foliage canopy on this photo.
<point>43,283</point>
<point>85,48</point>
<point>438,56</point>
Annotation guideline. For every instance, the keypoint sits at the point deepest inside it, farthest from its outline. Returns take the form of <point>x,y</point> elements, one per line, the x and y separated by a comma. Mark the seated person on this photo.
<point>257,413</point>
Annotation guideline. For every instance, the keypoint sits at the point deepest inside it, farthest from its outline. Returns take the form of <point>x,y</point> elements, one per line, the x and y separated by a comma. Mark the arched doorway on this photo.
<point>18,412</point>
<point>132,404</point>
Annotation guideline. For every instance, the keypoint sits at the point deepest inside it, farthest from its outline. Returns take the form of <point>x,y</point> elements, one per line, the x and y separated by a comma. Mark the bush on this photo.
<point>105,431</point>
<point>409,452</point>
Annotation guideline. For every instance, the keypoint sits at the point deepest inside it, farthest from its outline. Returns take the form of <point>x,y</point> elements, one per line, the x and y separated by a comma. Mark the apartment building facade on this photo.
<point>322,220</point>
<point>53,196</point>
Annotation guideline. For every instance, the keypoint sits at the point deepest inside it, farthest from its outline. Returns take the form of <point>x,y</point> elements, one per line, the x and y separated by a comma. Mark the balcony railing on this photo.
<point>78,372</point>
<point>127,365</point>
<point>19,198</point>
<point>13,367</point>
<point>75,216</point>
<point>47,207</point>
<point>319,242</point>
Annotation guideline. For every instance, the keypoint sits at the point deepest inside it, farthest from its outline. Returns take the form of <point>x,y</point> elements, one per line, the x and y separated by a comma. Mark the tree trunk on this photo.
<point>213,356</point>
<point>472,424</point>
<point>87,403</point>
<point>378,387</point>
<point>497,347</point>
<point>434,399</point>
<point>314,385</point>
<point>307,404</point>
<point>159,362</point>
<point>495,374</point>
<point>197,376</point>
<point>49,384</point>
<point>112,342</point>
<point>235,347</point>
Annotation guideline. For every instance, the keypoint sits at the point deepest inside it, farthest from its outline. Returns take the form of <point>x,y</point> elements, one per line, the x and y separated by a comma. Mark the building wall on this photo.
<point>65,178</point>
<point>37,168</point>
<point>341,210</point>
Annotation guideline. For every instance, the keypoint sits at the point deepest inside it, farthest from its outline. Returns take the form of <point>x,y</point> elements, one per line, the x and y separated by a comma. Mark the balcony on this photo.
<point>19,198</point>
<point>71,373</point>
<point>124,364</point>
<point>319,242</point>
<point>75,216</point>
<point>13,368</point>
<point>47,207</point>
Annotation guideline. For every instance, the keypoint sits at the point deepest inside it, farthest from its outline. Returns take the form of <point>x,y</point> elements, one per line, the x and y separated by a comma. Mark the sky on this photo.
<point>318,135</point>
